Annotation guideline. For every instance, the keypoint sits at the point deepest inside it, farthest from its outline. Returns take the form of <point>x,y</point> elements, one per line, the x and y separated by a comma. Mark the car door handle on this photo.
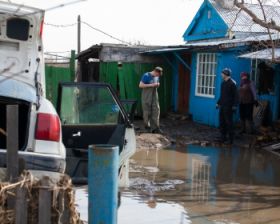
<point>78,134</point>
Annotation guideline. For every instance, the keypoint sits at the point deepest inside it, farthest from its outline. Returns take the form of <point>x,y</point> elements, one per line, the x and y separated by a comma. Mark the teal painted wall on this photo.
<point>207,24</point>
<point>203,109</point>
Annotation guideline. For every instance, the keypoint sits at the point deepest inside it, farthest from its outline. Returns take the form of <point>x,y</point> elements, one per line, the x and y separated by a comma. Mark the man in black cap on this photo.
<point>227,104</point>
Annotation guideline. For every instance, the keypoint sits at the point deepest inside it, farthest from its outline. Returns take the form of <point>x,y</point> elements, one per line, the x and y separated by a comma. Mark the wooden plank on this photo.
<point>61,205</point>
<point>64,207</point>
<point>45,201</point>
<point>12,149</point>
<point>12,142</point>
<point>21,205</point>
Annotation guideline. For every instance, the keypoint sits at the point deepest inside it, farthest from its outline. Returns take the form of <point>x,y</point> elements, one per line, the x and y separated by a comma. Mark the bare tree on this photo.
<point>262,20</point>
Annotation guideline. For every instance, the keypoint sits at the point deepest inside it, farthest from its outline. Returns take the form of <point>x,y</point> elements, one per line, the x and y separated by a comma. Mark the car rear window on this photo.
<point>18,29</point>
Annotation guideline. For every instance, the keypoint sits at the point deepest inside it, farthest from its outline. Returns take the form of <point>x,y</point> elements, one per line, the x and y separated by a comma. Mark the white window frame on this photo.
<point>205,85</point>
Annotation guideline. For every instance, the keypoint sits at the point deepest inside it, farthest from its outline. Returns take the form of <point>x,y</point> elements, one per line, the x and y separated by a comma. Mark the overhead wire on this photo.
<point>60,25</point>
<point>105,33</point>
<point>90,26</point>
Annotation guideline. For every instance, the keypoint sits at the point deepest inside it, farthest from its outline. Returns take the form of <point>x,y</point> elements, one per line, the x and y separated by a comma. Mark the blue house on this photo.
<point>218,34</point>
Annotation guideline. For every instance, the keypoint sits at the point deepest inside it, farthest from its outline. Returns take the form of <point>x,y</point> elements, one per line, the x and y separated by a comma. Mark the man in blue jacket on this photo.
<point>150,103</point>
<point>227,104</point>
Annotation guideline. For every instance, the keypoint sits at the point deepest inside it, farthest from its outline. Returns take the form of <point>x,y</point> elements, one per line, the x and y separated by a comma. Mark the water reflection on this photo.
<point>221,185</point>
<point>135,210</point>
<point>202,185</point>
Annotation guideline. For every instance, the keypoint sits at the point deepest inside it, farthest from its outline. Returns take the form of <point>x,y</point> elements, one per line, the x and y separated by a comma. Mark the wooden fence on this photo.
<point>34,196</point>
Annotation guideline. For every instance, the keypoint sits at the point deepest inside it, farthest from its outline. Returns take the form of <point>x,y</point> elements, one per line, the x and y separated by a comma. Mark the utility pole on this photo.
<point>79,35</point>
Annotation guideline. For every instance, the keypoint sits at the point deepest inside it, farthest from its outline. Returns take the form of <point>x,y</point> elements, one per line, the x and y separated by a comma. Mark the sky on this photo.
<point>152,22</point>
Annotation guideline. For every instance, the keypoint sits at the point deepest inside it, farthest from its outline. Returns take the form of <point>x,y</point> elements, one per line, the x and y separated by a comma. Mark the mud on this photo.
<point>181,131</point>
<point>146,141</point>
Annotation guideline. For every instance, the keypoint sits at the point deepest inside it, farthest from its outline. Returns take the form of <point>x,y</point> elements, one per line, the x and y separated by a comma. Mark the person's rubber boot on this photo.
<point>243,127</point>
<point>222,139</point>
<point>231,140</point>
<point>157,131</point>
<point>252,129</point>
<point>148,129</point>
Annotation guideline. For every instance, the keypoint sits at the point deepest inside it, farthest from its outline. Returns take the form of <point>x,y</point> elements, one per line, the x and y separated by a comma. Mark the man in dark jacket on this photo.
<point>227,104</point>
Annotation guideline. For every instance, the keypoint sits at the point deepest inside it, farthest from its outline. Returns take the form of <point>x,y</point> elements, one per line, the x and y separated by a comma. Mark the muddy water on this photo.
<point>200,185</point>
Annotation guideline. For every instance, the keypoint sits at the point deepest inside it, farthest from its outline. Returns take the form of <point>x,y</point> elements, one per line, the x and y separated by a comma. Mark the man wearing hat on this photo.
<point>247,98</point>
<point>150,104</point>
<point>227,104</point>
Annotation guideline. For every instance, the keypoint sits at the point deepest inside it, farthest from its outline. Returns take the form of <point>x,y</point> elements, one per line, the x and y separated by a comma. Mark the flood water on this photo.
<point>199,185</point>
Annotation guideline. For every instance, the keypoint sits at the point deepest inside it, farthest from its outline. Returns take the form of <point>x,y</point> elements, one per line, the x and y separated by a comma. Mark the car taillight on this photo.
<point>41,28</point>
<point>48,127</point>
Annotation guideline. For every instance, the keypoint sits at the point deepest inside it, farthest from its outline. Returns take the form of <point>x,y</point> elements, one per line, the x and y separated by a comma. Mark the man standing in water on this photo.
<point>150,104</point>
<point>227,104</point>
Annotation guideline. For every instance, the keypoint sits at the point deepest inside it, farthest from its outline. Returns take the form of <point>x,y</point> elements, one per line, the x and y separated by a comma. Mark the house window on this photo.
<point>206,74</point>
<point>209,14</point>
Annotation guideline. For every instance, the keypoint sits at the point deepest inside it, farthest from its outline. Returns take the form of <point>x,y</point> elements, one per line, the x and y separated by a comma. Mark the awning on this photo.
<point>265,54</point>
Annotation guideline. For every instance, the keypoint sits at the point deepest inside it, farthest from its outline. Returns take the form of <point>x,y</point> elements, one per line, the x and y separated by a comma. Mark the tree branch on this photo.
<point>266,24</point>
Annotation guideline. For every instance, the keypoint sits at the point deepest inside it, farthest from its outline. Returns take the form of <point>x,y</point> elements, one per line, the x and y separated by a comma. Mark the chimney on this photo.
<point>226,4</point>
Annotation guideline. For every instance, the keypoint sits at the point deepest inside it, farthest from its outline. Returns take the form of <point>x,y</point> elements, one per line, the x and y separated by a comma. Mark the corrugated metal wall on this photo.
<point>54,75</point>
<point>125,80</point>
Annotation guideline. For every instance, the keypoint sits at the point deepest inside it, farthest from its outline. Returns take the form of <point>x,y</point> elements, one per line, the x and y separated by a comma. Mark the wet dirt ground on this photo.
<point>181,131</point>
<point>184,132</point>
<point>199,185</point>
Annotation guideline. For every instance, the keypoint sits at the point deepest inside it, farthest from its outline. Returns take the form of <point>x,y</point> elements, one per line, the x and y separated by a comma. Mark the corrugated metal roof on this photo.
<point>240,21</point>
<point>265,54</point>
<point>250,39</point>
<point>227,43</point>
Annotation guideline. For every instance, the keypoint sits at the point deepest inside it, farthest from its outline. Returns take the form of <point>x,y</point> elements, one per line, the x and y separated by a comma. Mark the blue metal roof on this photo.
<point>265,54</point>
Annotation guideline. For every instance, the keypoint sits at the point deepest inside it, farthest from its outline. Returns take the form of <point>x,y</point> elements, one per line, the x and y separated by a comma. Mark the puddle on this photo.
<point>199,185</point>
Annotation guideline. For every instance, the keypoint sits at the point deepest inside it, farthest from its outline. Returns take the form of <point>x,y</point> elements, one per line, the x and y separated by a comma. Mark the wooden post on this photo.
<point>64,204</point>
<point>79,34</point>
<point>12,142</point>
<point>45,201</point>
<point>21,205</point>
<point>72,65</point>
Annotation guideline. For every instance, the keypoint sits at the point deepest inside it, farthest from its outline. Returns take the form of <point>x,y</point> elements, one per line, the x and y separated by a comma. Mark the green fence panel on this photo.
<point>54,75</point>
<point>126,80</point>
<point>108,73</point>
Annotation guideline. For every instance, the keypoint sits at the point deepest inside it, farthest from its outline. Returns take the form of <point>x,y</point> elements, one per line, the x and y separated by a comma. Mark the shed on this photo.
<point>218,34</point>
<point>122,66</point>
<point>267,76</point>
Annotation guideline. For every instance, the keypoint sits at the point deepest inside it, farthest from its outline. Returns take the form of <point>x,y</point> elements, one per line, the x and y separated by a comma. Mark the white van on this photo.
<point>22,82</point>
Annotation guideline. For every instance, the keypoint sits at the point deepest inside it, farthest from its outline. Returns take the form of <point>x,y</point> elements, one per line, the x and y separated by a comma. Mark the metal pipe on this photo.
<point>103,166</point>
